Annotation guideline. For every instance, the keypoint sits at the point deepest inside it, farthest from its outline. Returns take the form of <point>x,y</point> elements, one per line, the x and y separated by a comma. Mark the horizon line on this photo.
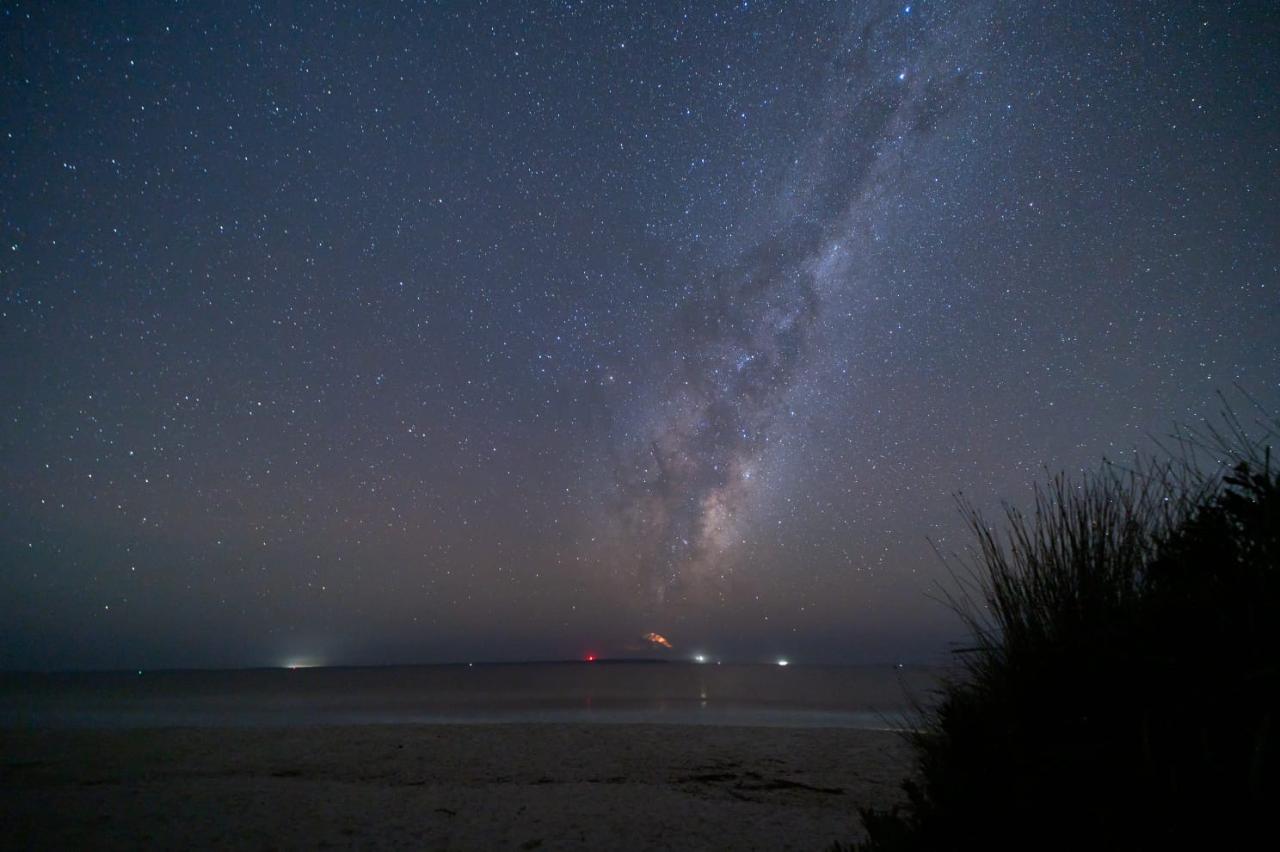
<point>776,663</point>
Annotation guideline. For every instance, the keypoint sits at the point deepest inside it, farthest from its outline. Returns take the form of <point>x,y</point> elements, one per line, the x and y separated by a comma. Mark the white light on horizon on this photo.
<point>783,661</point>
<point>699,658</point>
<point>300,663</point>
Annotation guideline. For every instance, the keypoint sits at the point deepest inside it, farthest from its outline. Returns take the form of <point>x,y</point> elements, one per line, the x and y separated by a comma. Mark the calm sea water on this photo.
<point>674,693</point>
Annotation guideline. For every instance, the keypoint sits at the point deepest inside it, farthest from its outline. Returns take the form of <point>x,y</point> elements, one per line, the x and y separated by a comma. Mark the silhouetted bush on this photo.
<point>1120,688</point>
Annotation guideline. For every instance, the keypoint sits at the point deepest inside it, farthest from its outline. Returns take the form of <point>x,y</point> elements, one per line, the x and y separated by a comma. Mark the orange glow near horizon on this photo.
<point>657,639</point>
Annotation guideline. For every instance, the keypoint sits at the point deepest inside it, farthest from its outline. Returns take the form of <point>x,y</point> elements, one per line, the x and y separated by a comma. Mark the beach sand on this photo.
<point>509,786</point>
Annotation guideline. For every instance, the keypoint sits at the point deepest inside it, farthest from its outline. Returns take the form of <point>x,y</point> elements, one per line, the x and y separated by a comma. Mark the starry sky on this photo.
<point>382,332</point>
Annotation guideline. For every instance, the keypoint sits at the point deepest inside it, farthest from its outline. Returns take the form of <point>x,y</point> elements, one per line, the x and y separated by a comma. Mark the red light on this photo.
<point>591,658</point>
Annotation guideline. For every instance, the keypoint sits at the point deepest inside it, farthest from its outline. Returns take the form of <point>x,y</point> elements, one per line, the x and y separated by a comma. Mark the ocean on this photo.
<point>603,692</point>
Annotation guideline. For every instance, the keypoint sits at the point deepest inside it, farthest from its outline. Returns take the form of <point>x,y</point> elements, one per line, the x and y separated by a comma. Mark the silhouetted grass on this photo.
<point>1119,689</point>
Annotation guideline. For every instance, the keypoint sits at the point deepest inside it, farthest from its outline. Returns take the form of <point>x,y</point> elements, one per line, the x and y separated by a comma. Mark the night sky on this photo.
<point>372,332</point>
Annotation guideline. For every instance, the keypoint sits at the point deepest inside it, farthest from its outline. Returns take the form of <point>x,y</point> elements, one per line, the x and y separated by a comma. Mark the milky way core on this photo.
<point>750,328</point>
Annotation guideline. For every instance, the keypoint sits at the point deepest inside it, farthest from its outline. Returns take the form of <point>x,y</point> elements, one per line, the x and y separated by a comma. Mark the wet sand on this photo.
<point>507,786</point>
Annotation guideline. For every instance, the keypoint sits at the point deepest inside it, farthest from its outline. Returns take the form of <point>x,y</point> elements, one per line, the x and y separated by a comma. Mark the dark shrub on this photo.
<point>1120,688</point>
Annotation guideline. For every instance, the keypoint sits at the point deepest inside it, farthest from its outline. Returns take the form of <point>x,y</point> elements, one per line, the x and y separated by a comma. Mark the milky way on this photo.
<point>748,331</point>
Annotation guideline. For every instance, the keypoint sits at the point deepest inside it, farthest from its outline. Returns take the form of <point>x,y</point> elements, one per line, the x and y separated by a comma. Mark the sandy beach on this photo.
<point>508,786</point>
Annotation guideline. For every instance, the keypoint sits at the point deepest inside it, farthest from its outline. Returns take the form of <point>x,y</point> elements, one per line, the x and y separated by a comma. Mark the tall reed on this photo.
<point>1119,686</point>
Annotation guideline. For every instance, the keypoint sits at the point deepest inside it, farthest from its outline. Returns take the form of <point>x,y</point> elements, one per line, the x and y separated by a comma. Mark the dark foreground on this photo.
<point>516,786</point>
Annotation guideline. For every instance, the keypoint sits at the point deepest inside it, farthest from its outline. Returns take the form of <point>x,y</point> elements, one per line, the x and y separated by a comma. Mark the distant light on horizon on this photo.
<point>699,658</point>
<point>301,663</point>
<point>783,661</point>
